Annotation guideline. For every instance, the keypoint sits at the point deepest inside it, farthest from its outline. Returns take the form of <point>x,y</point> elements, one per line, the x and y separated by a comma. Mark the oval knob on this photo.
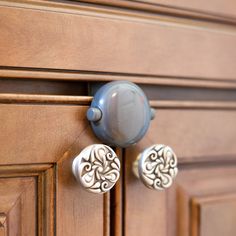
<point>156,167</point>
<point>97,168</point>
<point>120,113</point>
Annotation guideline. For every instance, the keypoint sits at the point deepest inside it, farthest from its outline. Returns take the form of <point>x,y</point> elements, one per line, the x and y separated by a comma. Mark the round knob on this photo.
<point>97,168</point>
<point>156,167</point>
<point>120,113</point>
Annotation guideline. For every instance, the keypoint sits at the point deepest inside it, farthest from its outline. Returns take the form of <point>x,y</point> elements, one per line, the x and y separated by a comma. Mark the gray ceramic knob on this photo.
<point>96,168</point>
<point>156,167</point>
<point>120,113</point>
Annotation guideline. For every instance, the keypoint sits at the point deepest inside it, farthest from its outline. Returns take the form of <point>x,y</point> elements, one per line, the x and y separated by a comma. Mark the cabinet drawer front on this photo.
<point>55,38</point>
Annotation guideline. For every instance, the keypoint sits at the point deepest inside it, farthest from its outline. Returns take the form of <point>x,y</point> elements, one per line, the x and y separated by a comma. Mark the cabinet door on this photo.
<point>38,193</point>
<point>201,202</point>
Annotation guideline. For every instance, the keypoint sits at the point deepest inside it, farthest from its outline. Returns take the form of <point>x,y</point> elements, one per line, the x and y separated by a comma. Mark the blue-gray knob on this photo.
<point>120,113</point>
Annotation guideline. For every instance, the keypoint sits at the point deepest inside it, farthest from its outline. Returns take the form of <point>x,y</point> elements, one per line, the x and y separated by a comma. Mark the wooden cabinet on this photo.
<point>203,193</point>
<point>54,54</point>
<point>36,183</point>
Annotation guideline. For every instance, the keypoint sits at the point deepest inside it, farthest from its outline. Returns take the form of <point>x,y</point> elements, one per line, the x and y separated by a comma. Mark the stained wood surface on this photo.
<point>3,225</point>
<point>214,185</point>
<point>55,127</point>
<point>18,204</point>
<point>203,152</point>
<point>219,7</point>
<point>27,199</point>
<point>211,11</point>
<point>38,133</point>
<point>69,45</point>
<point>75,209</point>
<point>22,81</point>
<point>170,213</point>
<point>192,133</point>
<point>144,209</point>
<point>117,200</point>
<point>47,99</point>
<point>41,134</point>
<point>195,103</point>
<point>78,211</point>
<point>206,212</point>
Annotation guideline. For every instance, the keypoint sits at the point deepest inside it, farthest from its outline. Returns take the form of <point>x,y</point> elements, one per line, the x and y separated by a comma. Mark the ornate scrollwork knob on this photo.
<point>97,168</point>
<point>156,167</point>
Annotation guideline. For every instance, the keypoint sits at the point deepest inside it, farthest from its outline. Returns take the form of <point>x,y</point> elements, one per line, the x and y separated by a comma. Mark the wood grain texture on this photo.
<point>172,8</point>
<point>208,212</point>
<point>46,196</point>
<point>57,127</point>
<point>213,189</point>
<point>117,200</point>
<point>62,207</point>
<point>57,195</point>
<point>172,212</point>
<point>3,225</point>
<point>54,76</point>
<point>41,99</point>
<point>199,105</point>
<point>18,203</point>
<point>17,170</point>
<point>192,133</point>
<point>183,46</point>
<point>78,211</point>
<point>145,212</point>
<point>145,6</point>
<point>11,98</point>
<point>69,45</point>
<point>27,199</point>
<point>38,133</point>
<point>219,7</point>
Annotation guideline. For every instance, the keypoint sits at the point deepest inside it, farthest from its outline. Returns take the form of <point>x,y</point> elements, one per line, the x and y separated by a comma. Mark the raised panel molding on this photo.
<point>3,225</point>
<point>27,200</point>
<point>204,197</point>
<point>52,134</point>
<point>171,210</point>
<point>17,201</point>
<point>213,215</point>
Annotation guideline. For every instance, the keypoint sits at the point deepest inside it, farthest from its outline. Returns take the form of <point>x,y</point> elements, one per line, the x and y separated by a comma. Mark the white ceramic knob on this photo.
<point>156,167</point>
<point>97,168</point>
